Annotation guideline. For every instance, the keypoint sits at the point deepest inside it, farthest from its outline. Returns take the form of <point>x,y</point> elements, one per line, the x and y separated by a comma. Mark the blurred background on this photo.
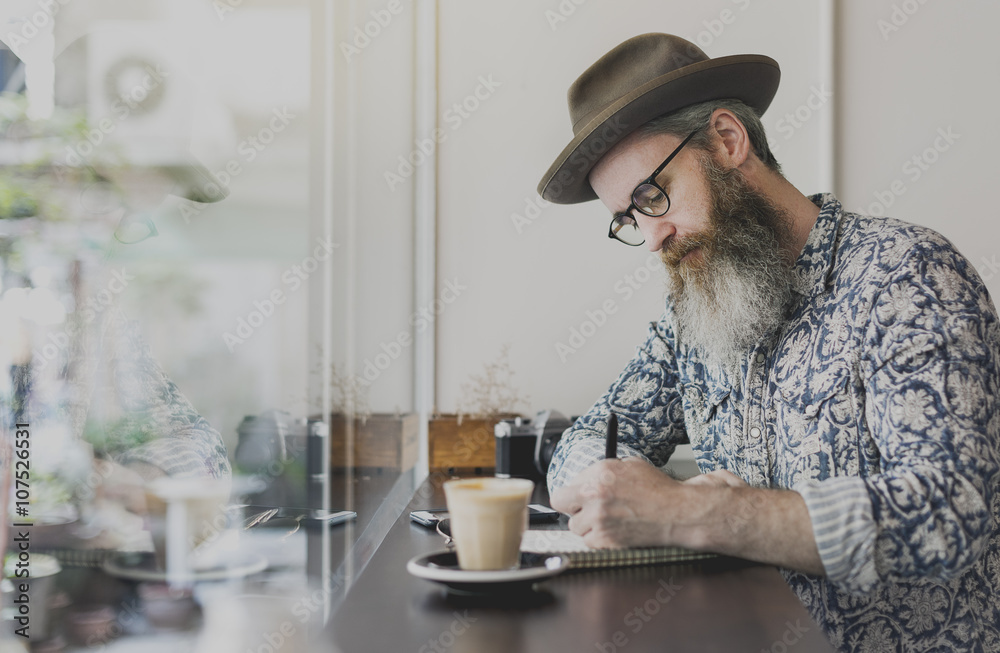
<point>323,207</point>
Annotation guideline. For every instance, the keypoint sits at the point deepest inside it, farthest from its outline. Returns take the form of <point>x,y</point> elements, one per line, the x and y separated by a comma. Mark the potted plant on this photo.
<point>361,439</point>
<point>464,441</point>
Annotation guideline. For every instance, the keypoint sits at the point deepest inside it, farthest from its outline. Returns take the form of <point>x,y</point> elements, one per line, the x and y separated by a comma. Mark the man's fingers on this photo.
<point>718,478</point>
<point>730,478</point>
<point>579,524</point>
<point>566,500</point>
<point>703,479</point>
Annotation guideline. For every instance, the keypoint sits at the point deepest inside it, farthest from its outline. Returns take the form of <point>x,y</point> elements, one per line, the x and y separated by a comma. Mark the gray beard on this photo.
<point>743,286</point>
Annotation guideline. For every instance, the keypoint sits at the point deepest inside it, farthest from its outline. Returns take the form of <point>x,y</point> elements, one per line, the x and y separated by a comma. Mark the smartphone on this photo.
<point>278,516</point>
<point>537,514</point>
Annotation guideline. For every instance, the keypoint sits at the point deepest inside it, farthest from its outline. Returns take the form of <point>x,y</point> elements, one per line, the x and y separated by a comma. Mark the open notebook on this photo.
<point>582,556</point>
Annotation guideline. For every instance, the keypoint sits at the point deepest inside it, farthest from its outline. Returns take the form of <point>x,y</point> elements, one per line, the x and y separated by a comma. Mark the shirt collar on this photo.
<point>815,263</point>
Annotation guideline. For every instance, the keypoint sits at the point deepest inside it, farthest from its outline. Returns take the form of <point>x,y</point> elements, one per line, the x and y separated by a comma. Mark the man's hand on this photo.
<point>124,485</point>
<point>718,478</point>
<point>620,503</point>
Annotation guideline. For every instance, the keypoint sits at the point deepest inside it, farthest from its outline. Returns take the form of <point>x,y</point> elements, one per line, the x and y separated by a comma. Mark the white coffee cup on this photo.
<point>184,513</point>
<point>488,517</point>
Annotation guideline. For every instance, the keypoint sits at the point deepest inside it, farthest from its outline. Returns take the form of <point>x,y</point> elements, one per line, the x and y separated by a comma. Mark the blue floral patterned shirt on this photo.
<point>877,402</point>
<point>120,388</point>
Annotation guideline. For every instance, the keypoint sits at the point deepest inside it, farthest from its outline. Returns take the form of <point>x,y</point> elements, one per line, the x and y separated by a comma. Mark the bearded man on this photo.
<point>836,375</point>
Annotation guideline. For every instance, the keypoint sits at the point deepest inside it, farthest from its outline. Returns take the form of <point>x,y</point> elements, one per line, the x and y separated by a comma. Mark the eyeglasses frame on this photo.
<point>651,180</point>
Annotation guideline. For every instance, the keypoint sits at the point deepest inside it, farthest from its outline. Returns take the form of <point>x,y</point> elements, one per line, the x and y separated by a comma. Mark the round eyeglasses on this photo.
<point>649,198</point>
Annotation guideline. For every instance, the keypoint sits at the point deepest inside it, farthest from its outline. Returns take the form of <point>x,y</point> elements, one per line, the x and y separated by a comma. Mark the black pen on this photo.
<point>611,444</point>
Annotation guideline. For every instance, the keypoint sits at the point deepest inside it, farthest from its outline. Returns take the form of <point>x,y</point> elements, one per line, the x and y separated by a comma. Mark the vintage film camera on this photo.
<point>284,455</point>
<point>524,448</point>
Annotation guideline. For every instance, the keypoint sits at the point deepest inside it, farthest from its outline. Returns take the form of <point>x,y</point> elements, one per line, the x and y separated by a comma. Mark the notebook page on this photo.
<point>553,542</point>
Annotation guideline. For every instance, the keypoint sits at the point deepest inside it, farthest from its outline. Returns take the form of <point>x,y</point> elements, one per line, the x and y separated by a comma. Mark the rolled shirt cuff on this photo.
<point>178,457</point>
<point>841,513</point>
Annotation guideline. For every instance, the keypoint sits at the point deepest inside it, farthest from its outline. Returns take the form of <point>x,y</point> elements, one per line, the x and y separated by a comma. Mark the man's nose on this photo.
<point>657,232</point>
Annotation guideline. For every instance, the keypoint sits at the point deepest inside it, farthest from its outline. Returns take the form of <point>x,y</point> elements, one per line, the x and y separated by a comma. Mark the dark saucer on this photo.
<point>442,567</point>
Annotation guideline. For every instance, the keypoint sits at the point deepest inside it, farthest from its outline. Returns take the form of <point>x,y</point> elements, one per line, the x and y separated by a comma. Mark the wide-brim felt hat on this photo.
<point>646,77</point>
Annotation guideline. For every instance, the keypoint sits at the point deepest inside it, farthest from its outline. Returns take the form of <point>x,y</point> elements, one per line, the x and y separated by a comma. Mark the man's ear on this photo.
<point>732,148</point>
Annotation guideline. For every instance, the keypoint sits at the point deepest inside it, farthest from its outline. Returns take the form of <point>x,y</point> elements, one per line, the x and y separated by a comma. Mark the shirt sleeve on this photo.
<point>648,405</point>
<point>931,376</point>
<point>172,436</point>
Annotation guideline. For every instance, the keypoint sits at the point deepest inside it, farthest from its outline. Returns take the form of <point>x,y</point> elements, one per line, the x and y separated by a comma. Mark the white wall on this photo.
<point>373,213</point>
<point>908,70</point>
<point>532,288</point>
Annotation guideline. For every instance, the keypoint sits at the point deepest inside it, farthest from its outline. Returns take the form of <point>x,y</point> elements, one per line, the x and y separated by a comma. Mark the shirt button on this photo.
<point>755,432</point>
<point>760,358</point>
